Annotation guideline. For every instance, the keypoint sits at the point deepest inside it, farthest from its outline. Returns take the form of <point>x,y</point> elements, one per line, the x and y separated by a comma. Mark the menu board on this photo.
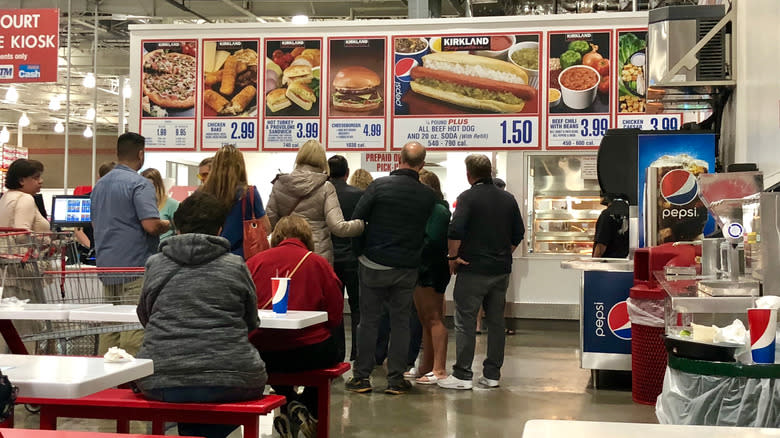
<point>356,93</point>
<point>291,92</point>
<point>168,86</point>
<point>579,68</point>
<point>632,85</point>
<point>229,96</point>
<point>467,91</point>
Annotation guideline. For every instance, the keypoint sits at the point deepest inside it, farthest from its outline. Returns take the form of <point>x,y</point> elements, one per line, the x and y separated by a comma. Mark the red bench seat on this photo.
<point>123,405</point>
<point>322,380</point>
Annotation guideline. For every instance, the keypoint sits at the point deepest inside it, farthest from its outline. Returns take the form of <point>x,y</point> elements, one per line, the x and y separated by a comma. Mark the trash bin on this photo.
<point>648,352</point>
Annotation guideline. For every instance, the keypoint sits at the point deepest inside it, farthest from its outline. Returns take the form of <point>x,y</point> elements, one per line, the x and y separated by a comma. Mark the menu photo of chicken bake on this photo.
<point>168,79</point>
<point>230,78</point>
<point>292,78</point>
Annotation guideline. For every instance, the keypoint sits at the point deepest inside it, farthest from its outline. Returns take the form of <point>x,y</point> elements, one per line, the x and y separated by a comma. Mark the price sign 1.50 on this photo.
<point>518,132</point>
<point>307,130</point>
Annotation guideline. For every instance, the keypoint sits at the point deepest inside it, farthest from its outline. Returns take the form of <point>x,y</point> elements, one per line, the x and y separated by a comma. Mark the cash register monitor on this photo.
<point>70,211</point>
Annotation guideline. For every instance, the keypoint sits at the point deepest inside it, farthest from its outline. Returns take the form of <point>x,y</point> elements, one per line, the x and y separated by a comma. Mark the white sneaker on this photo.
<point>452,382</point>
<point>411,374</point>
<point>490,383</point>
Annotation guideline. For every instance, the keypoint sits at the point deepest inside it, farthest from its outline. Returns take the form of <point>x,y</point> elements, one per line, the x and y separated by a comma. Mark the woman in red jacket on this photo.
<point>313,286</point>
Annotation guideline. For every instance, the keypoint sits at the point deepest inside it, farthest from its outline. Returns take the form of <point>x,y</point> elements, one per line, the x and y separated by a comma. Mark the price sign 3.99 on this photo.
<point>650,122</point>
<point>576,131</point>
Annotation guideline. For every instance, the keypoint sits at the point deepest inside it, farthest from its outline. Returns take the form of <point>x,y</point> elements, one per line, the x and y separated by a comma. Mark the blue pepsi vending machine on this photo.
<point>670,209</point>
<point>605,327</point>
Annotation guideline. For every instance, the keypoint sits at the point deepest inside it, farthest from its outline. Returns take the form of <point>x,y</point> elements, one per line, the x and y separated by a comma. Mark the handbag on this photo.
<point>290,277</point>
<point>7,397</point>
<point>255,237</point>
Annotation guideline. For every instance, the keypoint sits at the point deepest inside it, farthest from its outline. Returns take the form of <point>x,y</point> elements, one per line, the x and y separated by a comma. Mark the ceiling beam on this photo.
<point>243,11</point>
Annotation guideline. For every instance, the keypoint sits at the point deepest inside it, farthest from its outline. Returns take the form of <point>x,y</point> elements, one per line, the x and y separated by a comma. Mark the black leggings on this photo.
<point>311,357</point>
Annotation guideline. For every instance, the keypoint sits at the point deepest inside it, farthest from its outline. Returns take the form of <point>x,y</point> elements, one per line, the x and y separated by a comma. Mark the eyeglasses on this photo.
<point>203,176</point>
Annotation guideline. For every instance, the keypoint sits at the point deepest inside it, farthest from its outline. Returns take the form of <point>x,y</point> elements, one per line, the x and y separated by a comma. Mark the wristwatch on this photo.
<point>449,257</point>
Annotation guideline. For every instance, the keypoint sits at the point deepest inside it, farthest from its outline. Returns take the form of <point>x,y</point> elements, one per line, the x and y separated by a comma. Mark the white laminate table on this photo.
<point>69,376</point>
<point>599,429</point>
<point>40,312</point>
<point>293,319</point>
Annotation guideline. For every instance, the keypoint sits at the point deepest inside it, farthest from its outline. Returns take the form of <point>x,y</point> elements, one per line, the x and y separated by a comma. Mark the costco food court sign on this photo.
<point>29,39</point>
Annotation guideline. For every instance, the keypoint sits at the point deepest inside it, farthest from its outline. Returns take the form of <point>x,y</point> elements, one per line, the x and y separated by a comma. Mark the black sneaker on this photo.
<point>358,385</point>
<point>401,387</point>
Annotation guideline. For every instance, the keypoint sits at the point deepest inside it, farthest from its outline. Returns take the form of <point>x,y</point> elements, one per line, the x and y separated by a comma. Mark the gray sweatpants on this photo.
<point>471,291</point>
<point>394,287</point>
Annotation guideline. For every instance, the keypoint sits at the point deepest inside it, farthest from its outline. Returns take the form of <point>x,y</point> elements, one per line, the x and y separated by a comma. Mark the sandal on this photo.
<point>302,418</point>
<point>429,379</point>
<point>411,374</point>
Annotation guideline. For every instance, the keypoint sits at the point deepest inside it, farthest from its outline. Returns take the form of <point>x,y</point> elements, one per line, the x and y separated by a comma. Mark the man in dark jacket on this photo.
<point>485,230</point>
<point>344,261</point>
<point>395,209</point>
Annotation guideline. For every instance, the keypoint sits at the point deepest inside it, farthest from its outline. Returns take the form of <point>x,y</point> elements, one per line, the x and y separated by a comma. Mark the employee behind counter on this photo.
<point>611,239</point>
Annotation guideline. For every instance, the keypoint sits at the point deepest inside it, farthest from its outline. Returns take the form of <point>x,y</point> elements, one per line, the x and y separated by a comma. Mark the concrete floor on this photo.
<point>541,379</point>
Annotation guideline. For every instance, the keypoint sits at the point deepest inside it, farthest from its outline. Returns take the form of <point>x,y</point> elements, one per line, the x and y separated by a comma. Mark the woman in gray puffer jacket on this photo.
<point>308,193</point>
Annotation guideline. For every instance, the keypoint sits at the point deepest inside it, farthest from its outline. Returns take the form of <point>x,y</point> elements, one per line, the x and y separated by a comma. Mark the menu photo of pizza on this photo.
<point>230,78</point>
<point>169,79</point>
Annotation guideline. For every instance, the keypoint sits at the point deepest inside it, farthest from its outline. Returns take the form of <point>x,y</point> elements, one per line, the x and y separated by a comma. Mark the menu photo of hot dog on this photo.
<point>466,74</point>
<point>579,67</point>
<point>292,78</point>
<point>356,74</point>
<point>230,78</point>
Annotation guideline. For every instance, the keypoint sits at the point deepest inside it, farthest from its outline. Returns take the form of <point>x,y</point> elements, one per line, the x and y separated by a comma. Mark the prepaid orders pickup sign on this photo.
<point>29,39</point>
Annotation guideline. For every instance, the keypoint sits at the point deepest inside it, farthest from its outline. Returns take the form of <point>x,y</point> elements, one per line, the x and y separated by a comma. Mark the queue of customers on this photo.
<point>392,243</point>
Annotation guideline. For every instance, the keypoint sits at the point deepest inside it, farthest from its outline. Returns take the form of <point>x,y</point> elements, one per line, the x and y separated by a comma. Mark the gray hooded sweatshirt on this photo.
<point>198,306</point>
<point>319,205</point>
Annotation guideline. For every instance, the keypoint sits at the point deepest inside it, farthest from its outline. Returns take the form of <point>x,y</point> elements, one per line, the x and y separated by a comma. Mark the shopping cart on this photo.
<point>33,267</point>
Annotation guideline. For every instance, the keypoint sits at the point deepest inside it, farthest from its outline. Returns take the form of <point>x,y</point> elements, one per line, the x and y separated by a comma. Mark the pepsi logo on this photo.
<point>618,321</point>
<point>403,67</point>
<point>679,187</point>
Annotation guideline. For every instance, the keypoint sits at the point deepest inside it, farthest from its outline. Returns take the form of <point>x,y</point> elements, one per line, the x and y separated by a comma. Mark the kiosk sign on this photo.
<point>29,40</point>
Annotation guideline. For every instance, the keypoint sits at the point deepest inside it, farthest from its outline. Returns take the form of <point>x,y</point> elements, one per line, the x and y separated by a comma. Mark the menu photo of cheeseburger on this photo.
<point>292,78</point>
<point>579,68</point>
<point>356,71</point>
<point>466,74</point>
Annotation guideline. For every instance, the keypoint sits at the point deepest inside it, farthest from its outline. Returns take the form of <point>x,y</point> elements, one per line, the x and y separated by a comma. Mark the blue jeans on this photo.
<point>204,394</point>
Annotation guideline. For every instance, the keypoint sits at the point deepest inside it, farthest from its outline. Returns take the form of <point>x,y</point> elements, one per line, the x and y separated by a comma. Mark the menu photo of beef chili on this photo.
<point>579,72</point>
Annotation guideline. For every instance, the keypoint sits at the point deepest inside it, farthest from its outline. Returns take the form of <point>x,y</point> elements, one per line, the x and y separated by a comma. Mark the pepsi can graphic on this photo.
<point>280,288</point>
<point>408,55</point>
<point>763,328</point>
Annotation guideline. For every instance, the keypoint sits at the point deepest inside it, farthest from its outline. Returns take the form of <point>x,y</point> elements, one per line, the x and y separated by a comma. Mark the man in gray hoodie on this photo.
<point>198,305</point>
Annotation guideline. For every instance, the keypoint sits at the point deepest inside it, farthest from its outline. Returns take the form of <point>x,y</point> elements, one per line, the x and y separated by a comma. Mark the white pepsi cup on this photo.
<point>280,288</point>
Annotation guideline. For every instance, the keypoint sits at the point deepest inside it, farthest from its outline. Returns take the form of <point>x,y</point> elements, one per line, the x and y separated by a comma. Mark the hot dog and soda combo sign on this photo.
<point>373,93</point>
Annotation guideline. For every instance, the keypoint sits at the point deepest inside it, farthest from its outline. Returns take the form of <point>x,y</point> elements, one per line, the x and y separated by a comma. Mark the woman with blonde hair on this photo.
<point>227,181</point>
<point>361,179</point>
<point>165,204</point>
<point>306,192</point>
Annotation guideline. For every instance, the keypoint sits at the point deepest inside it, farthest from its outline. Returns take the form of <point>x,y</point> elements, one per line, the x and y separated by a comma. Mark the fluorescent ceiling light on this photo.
<point>90,114</point>
<point>11,96</point>
<point>89,81</point>
<point>300,19</point>
<point>54,104</point>
<point>59,128</point>
<point>88,132</point>
<point>24,121</point>
<point>5,135</point>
